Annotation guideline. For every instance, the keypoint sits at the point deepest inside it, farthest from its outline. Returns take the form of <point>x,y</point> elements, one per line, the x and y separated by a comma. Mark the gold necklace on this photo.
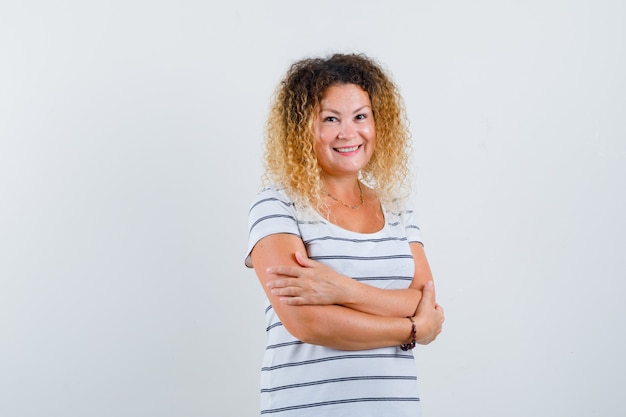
<point>356,207</point>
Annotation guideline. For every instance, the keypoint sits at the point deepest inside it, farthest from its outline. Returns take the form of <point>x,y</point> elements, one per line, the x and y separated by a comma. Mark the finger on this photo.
<point>287,291</point>
<point>282,283</point>
<point>428,293</point>
<point>293,301</point>
<point>289,271</point>
<point>304,260</point>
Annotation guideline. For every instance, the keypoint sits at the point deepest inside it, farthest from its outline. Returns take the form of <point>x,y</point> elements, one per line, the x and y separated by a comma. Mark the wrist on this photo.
<point>348,291</point>
<point>412,336</point>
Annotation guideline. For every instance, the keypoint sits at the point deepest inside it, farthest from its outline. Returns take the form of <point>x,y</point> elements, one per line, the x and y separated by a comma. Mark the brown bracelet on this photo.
<point>409,346</point>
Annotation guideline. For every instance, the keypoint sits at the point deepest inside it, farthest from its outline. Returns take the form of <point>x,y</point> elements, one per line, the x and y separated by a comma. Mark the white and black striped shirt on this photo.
<point>302,380</point>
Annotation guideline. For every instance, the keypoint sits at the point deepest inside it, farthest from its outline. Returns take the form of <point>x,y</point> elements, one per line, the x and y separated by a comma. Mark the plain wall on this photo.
<point>130,149</point>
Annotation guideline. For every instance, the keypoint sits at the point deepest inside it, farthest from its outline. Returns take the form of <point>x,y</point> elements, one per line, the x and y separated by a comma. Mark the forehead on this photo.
<point>345,94</point>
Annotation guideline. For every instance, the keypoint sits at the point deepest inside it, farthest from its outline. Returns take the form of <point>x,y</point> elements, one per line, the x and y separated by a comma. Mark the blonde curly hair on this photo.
<point>290,160</point>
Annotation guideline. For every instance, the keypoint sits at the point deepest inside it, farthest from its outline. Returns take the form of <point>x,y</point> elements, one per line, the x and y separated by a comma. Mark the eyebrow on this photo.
<point>354,112</point>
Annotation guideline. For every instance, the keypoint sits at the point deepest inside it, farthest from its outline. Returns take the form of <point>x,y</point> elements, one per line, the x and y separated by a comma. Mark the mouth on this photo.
<point>348,149</point>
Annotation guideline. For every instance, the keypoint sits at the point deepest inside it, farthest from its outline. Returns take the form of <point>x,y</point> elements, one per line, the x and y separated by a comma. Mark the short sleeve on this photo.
<point>413,232</point>
<point>271,212</point>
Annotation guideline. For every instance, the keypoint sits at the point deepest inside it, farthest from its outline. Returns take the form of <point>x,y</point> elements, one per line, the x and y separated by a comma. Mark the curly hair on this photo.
<point>290,160</point>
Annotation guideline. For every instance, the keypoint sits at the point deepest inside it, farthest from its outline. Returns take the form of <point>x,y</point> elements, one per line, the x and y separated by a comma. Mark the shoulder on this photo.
<point>281,200</point>
<point>271,202</point>
<point>276,206</point>
<point>272,197</point>
<point>271,212</point>
<point>398,206</point>
<point>400,212</point>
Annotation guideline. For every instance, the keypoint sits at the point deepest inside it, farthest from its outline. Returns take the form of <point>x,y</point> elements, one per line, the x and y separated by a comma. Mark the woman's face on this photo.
<point>344,131</point>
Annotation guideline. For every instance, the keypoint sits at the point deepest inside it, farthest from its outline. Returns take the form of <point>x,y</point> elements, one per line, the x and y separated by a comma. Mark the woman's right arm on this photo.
<point>333,325</point>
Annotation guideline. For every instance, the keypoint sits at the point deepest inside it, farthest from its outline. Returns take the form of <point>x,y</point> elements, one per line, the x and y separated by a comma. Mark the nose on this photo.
<point>347,130</point>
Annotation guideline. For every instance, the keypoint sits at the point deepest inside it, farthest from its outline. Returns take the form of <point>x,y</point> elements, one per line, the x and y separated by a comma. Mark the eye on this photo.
<point>330,119</point>
<point>361,116</point>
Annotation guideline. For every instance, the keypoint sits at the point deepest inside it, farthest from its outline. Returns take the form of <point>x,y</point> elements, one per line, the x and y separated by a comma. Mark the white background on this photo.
<point>130,147</point>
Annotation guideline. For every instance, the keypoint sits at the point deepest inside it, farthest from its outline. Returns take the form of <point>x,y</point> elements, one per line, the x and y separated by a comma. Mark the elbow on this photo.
<point>303,332</point>
<point>305,329</point>
<point>315,335</point>
<point>309,338</point>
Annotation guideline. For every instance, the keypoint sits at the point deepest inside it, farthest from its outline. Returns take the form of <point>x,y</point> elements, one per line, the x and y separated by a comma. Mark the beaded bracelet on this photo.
<point>409,346</point>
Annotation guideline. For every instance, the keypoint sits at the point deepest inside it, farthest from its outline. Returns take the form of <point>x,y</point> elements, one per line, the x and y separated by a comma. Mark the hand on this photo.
<point>428,316</point>
<point>310,283</point>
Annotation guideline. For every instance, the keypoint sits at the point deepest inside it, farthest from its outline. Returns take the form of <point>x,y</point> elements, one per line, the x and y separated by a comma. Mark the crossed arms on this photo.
<point>317,305</point>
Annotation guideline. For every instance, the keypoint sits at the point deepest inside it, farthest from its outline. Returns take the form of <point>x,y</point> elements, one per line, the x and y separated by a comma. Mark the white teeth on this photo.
<point>344,150</point>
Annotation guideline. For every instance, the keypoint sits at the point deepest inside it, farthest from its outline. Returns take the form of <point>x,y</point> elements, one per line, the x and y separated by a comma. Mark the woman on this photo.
<point>336,249</point>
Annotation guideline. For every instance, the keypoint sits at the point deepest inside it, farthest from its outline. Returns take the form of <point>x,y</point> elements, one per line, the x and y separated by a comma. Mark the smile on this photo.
<point>347,150</point>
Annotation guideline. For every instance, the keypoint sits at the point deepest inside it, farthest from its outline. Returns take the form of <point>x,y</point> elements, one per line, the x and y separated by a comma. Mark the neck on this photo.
<point>349,193</point>
<point>341,186</point>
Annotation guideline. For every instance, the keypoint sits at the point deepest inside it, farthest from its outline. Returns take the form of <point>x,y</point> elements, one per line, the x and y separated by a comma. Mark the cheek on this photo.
<point>322,137</point>
<point>319,146</point>
<point>370,133</point>
<point>373,131</point>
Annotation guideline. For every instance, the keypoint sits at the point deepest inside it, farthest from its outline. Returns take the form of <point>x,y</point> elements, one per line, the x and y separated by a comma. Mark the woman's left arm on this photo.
<point>314,283</point>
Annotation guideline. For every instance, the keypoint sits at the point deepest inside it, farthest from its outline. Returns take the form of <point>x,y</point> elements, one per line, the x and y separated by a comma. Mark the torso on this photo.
<point>303,380</point>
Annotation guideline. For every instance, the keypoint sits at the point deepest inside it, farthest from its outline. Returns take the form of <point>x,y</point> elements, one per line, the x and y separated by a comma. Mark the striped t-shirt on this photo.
<point>302,380</point>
